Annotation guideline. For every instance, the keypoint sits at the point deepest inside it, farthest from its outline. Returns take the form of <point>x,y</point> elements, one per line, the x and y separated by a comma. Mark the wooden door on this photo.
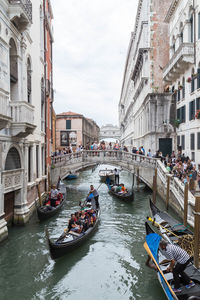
<point>9,199</point>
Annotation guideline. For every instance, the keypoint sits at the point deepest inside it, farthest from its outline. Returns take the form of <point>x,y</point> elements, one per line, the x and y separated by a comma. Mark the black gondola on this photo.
<point>170,228</point>
<point>46,211</point>
<point>166,279</point>
<point>67,243</point>
<point>129,196</point>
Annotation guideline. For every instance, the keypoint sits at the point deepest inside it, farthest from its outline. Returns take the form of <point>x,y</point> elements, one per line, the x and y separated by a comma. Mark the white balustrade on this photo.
<point>12,180</point>
<point>22,112</point>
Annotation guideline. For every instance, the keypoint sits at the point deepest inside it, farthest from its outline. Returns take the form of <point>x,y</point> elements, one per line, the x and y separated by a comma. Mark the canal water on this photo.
<point>110,265</point>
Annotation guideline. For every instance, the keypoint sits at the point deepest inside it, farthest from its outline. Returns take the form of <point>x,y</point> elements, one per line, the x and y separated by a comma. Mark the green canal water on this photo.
<point>111,265</point>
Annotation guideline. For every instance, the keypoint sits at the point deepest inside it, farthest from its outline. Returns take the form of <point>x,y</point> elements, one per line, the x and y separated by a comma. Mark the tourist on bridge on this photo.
<point>179,260</point>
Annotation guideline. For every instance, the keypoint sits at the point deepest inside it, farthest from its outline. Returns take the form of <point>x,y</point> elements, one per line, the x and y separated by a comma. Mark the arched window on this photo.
<point>29,79</point>
<point>13,160</point>
<point>191,29</point>
<point>181,33</point>
<point>179,91</point>
<point>13,71</point>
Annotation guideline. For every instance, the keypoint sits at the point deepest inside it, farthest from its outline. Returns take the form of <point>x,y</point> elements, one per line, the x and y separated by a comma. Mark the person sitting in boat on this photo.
<point>179,259</point>
<point>73,226</point>
<point>54,195</point>
<point>123,189</point>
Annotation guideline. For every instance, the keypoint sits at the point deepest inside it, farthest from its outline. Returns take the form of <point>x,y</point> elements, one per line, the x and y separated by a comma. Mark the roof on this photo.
<point>69,113</point>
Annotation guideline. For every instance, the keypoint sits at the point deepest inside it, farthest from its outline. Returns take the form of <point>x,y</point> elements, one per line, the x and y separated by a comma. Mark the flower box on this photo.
<point>197,115</point>
<point>180,87</point>
<point>177,122</point>
<point>189,79</point>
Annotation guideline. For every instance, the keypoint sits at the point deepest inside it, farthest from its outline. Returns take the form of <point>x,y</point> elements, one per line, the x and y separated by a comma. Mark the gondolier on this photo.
<point>179,260</point>
<point>116,172</point>
<point>95,194</point>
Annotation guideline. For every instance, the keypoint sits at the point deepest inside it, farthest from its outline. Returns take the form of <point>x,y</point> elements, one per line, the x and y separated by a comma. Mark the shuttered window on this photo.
<point>191,110</point>
<point>178,140</point>
<point>198,140</point>
<point>183,142</point>
<point>197,103</point>
<point>68,124</point>
<point>192,141</point>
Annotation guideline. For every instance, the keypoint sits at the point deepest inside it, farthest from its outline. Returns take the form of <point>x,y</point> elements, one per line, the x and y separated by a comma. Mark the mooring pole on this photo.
<point>196,231</point>
<point>154,186</point>
<point>168,190</point>
<point>138,180</point>
<point>49,182</point>
<point>185,204</point>
<point>39,194</point>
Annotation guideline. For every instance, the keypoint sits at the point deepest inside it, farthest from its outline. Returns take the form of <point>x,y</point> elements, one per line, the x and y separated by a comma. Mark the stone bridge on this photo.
<point>139,165</point>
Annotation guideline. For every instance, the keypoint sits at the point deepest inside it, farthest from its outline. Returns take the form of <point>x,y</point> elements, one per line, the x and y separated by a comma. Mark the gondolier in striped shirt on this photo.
<point>179,260</point>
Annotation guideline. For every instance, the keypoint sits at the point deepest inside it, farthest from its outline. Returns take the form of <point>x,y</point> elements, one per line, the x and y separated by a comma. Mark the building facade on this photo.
<point>182,73</point>
<point>22,109</point>
<point>144,107</point>
<point>74,129</point>
<point>109,131</point>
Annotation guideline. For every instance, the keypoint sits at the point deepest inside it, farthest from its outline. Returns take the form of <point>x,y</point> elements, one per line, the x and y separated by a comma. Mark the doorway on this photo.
<point>165,146</point>
<point>9,199</point>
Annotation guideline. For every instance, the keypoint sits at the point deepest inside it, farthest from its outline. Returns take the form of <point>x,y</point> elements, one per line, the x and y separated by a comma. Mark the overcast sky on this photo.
<point>91,43</point>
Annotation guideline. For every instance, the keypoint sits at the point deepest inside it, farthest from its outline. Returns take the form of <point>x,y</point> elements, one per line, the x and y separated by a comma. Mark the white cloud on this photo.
<point>91,42</point>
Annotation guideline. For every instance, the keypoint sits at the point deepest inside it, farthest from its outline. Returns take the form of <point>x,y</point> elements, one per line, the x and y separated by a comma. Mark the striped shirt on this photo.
<point>176,253</point>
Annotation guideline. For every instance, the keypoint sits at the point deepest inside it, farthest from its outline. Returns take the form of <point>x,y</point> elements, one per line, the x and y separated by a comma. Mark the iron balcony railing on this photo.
<point>26,5</point>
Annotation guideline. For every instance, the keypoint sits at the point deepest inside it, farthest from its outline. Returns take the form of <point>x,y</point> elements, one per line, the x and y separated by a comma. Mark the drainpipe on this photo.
<point>45,118</point>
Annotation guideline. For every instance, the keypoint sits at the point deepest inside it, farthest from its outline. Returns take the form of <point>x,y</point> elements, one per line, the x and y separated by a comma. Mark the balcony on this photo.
<point>5,117</point>
<point>179,62</point>
<point>12,180</point>
<point>20,13</point>
<point>22,114</point>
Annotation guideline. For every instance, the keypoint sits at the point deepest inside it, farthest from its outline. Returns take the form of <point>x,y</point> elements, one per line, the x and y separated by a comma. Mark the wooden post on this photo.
<point>133,181</point>
<point>155,186</point>
<point>39,194</point>
<point>196,231</point>
<point>138,180</point>
<point>185,204</point>
<point>49,182</point>
<point>168,190</point>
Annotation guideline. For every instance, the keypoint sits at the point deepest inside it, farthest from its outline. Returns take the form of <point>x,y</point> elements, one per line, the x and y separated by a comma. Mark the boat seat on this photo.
<point>74,233</point>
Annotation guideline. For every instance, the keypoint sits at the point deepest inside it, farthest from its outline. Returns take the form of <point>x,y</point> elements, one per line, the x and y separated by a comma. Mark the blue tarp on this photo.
<point>153,240</point>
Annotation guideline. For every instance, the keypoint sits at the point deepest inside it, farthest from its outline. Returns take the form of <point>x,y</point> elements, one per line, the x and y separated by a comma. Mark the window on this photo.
<point>197,103</point>
<point>178,140</point>
<point>198,78</point>
<point>68,124</point>
<point>183,142</point>
<point>199,26</point>
<point>191,110</point>
<point>183,88</point>
<point>29,81</point>
<point>192,141</point>
<point>179,92</point>
<point>181,114</point>
<point>193,155</point>
<point>29,164</point>
<point>198,140</point>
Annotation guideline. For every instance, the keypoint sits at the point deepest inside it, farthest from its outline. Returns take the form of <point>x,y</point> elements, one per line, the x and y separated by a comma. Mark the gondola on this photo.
<point>107,173</point>
<point>170,228</point>
<point>129,196</point>
<point>72,176</point>
<point>67,243</point>
<point>166,279</point>
<point>46,211</point>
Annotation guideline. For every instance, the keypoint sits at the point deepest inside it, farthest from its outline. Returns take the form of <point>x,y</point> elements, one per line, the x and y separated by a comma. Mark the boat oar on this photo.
<point>146,247</point>
<point>63,235</point>
<point>99,186</point>
<point>154,222</point>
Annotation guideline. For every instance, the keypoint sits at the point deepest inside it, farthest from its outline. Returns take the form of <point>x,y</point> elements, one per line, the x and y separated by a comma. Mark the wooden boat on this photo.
<point>107,173</point>
<point>166,279</point>
<point>47,211</point>
<point>170,228</point>
<point>67,243</point>
<point>129,196</point>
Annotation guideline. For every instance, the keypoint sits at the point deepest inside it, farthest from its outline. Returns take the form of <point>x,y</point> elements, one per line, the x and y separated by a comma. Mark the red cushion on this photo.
<point>57,202</point>
<point>48,202</point>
